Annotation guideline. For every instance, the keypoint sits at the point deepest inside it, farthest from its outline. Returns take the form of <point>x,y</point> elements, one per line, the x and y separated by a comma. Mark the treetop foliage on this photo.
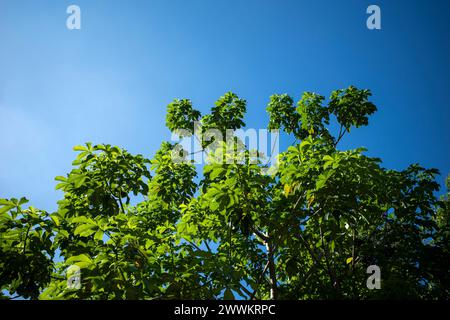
<point>150,229</point>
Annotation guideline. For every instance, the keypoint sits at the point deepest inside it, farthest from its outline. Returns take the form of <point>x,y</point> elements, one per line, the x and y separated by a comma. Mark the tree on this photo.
<point>150,229</point>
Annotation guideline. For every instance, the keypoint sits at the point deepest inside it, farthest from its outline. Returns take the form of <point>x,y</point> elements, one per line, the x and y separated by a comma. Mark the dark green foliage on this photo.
<point>26,249</point>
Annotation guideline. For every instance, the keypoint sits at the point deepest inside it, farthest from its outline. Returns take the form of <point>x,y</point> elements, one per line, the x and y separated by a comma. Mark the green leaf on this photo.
<point>216,172</point>
<point>98,235</point>
<point>80,148</point>
<point>84,230</point>
<point>83,264</point>
<point>349,260</point>
<point>78,180</point>
<point>6,208</point>
<point>228,294</point>
<point>80,219</point>
<point>4,202</point>
<point>213,205</point>
<point>79,258</point>
<point>55,219</point>
<point>320,182</point>
<point>287,189</point>
<point>22,201</point>
<point>60,185</point>
<point>305,143</point>
<point>332,245</point>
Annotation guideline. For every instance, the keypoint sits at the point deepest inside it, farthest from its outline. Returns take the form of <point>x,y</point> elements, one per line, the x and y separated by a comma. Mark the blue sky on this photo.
<point>110,82</point>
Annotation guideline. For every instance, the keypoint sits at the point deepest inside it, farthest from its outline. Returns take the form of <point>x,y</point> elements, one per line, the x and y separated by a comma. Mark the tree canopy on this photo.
<point>143,228</point>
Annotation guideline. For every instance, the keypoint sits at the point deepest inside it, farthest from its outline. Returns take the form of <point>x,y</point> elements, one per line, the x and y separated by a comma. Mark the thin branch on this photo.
<point>272,150</point>
<point>121,205</point>
<point>207,246</point>
<point>25,241</point>
<point>260,235</point>
<point>308,247</point>
<point>341,134</point>
<point>311,270</point>
<point>272,272</point>
<point>194,245</point>
<point>331,272</point>
<point>116,255</point>
<point>247,292</point>
<point>258,282</point>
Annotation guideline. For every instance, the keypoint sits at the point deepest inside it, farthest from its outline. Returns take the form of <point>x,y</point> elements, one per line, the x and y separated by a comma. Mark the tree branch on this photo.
<point>25,241</point>
<point>331,272</point>
<point>341,134</point>
<point>258,282</point>
<point>272,272</point>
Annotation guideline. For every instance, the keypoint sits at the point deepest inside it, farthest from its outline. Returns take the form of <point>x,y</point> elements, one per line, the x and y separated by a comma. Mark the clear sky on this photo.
<point>110,82</point>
